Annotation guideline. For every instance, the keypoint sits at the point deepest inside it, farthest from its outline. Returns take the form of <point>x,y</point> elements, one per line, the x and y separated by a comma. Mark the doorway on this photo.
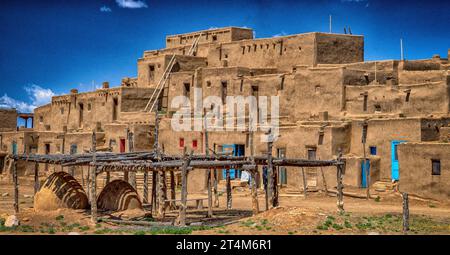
<point>236,150</point>
<point>122,145</point>
<point>394,160</point>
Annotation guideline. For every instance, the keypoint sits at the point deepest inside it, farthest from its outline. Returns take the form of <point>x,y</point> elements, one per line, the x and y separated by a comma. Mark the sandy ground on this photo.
<point>315,214</point>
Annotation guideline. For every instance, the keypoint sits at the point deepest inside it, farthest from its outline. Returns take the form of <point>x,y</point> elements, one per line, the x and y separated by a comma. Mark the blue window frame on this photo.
<point>373,150</point>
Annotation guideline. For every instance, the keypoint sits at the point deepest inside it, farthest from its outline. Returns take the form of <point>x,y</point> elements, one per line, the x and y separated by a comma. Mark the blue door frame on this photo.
<point>237,150</point>
<point>394,159</point>
<point>14,148</point>
<point>363,172</point>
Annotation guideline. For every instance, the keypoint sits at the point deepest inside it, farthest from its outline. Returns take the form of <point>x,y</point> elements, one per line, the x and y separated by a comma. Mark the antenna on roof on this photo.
<point>330,24</point>
<point>349,30</point>
<point>345,31</point>
<point>401,50</point>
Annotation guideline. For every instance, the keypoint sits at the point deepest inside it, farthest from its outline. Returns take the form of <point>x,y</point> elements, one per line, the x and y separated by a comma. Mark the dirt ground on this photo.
<point>316,215</point>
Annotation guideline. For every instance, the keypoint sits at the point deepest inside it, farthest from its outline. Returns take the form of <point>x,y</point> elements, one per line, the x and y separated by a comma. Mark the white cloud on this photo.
<point>37,96</point>
<point>280,34</point>
<point>132,4</point>
<point>105,9</point>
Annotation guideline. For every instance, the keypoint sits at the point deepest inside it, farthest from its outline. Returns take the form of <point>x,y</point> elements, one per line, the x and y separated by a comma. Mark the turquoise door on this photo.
<point>394,159</point>
<point>14,148</point>
<point>237,150</point>
<point>363,173</point>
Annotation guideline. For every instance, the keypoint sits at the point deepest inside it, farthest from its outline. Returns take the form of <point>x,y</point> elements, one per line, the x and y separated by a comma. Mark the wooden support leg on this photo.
<point>88,183</point>
<point>216,194</point>
<point>324,181</point>
<point>16,187</point>
<point>305,190</point>
<point>275,202</point>
<point>183,206</point>
<point>153,205</point>
<point>93,195</point>
<point>405,213</point>
<point>229,199</point>
<point>108,178</point>
<point>208,186</point>
<point>161,194</point>
<point>132,179</point>
<point>255,203</point>
<point>36,178</point>
<point>340,186</point>
<point>145,195</point>
<point>172,191</point>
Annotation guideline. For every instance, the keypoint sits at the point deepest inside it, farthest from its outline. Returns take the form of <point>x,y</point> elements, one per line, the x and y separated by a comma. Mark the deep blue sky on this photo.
<point>59,45</point>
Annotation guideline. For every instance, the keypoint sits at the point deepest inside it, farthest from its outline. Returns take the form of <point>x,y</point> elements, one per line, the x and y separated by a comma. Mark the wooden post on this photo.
<point>184,175</point>
<point>340,186</point>
<point>405,213</point>
<point>131,175</point>
<point>161,194</point>
<point>229,198</point>
<point>255,203</point>
<point>93,173</point>
<point>270,175</point>
<point>305,191</point>
<point>153,204</point>
<point>172,205</point>
<point>324,181</point>
<point>145,191</point>
<point>36,178</point>
<point>88,183</point>
<point>108,178</point>
<point>16,187</point>
<point>208,174</point>
<point>215,183</point>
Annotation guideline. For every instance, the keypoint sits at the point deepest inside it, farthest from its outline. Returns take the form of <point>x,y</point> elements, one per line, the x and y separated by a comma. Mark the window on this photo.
<point>435,167</point>
<point>41,119</point>
<point>208,84</point>
<point>89,107</point>
<point>181,143</point>
<point>187,89</point>
<point>194,144</point>
<point>373,150</point>
<point>241,88</point>
<point>407,96</point>
<point>395,152</point>
<point>115,108</point>
<point>151,73</point>
<point>224,91</point>
<point>62,110</point>
<point>80,117</point>
<point>311,153</point>
<point>214,37</point>
<point>365,103</point>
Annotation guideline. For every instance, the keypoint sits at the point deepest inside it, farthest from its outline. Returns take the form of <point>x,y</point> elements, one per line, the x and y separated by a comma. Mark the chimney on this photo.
<point>74,91</point>
<point>105,85</point>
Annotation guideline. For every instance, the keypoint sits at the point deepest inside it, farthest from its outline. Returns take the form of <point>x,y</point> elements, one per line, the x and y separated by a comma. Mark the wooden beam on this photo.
<point>93,174</point>
<point>254,189</point>
<point>153,202</point>
<point>172,204</point>
<point>161,194</point>
<point>16,186</point>
<point>229,198</point>
<point>36,178</point>
<point>145,191</point>
<point>405,213</point>
<point>208,174</point>
<point>183,206</point>
<point>305,191</point>
<point>270,178</point>
<point>340,186</point>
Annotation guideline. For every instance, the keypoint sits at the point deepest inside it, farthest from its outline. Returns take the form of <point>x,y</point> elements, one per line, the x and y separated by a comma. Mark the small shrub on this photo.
<point>139,233</point>
<point>59,217</point>
<point>378,199</point>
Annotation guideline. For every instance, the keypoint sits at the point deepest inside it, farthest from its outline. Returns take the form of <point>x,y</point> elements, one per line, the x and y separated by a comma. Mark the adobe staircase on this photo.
<point>384,185</point>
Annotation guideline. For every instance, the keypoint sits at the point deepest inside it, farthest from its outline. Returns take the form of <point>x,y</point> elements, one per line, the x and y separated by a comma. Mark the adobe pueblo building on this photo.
<point>393,113</point>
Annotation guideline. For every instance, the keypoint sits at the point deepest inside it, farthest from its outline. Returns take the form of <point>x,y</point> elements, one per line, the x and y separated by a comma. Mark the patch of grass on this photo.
<point>83,228</point>
<point>2,222</point>
<point>432,205</point>
<point>59,217</point>
<point>378,199</point>
<point>264,222</point>
<point>223,231</point>
<point>347,224</point>
<point>290,233</point>
<point>247,223</point>
<point>259,228</point>
<point>102,231</point>
<point>337,226</point>
<point>139,233</point>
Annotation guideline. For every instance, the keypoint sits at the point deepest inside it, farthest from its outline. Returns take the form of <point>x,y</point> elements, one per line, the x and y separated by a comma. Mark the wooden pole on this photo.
<point>88,183</point>
<point>215,184</point>
<point>36,178</point>
<point>161,194</point>
<point>93,174</point>
<point>131,175</point>
<point>108,178</point>
<point>145,195</point>
<point>255,203</point>
<point>172,205</point>
<point>324,181</point>
<point>16,187</point>
<point>305,191</point>
<point>208,174</point>
<point>270,175</point>
<point>153,204</point>
<point>229,198</point>
<point>340,186</point>
<point>405,213</point>
<point>184,175</point>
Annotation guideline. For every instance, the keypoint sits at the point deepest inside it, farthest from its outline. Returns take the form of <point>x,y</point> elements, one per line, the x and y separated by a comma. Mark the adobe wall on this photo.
<point>209,36</point>
<point>134,99</point>
<point>8,119</point>
<point>416,170</point>
<point>380,133</point>
<point>310,91</point>
<point>393,99</point>
<point>338,48</point>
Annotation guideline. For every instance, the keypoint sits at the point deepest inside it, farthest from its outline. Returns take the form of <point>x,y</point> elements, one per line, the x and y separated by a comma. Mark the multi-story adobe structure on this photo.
<point>327,95</point>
